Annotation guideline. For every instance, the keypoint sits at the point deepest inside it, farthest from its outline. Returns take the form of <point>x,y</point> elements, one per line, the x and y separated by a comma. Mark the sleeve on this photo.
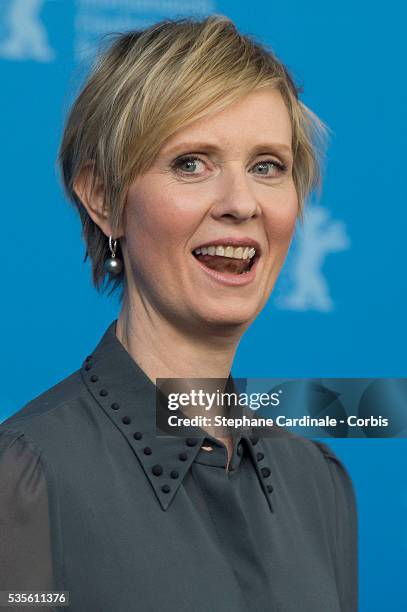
<point>346,536</point>
<point>25,533</point>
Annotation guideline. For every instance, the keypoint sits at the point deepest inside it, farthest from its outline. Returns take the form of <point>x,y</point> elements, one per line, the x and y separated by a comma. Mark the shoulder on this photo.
<point>340,477</point>
<point>344,495</point>
<point>36,441</point>
<point>335,465</point>
<point>65,391</point>
<point>20,458</point>
<point>314,464</point>
<point>46,423</point>
<point>24,479</point>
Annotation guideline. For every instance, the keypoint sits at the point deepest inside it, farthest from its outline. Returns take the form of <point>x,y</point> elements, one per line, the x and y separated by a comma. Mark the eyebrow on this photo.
<point>258,149</point>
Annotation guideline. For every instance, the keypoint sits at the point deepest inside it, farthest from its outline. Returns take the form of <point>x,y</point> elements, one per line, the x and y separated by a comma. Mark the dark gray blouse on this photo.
<point>95,503</point>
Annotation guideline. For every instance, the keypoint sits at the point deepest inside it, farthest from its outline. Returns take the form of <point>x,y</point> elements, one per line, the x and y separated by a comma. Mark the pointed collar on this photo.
<point>128,397</point>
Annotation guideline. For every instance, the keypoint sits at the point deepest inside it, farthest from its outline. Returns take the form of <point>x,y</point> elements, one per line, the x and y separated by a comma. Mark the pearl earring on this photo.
<point>113,265</point>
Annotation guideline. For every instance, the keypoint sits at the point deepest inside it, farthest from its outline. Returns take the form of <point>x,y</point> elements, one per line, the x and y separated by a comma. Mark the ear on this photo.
<point>93,199</point>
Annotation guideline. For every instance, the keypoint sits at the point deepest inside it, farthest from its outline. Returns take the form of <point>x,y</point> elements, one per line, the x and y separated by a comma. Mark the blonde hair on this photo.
<point>148,84</point>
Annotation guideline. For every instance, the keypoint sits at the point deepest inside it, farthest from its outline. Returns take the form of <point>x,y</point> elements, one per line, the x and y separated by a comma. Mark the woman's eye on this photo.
<point>265,165</point>
<point>187,165</point>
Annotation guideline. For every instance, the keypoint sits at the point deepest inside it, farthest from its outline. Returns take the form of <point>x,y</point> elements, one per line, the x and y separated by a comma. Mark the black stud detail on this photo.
<point>126,420</point>
<point>182,456</point>
<point>259,456</point>
<point>88,366</point>
<point>239,450</point>
<point>270,488</point>
<point>191,442</point>
<point>94,378</point>
<point>174,474</point>
<point>115,406</point>
<point>137,435</point>
<point>157,469</point>
<point>165,488</point>
<point>265,472</point>
<point>147,450</point>
<point>254,439</point>
<point>103,392</point>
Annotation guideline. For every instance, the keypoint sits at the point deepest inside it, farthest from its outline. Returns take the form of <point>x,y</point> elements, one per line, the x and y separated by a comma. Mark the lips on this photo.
<point>230,260</point>
<point>243,241</point>
<point>230,279</point>
<point>226,264</point>
<point>231,255</point>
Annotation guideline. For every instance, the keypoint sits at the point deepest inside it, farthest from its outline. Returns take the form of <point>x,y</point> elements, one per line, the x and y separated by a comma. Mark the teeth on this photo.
<point>227,251</point>
<point>239,253</point>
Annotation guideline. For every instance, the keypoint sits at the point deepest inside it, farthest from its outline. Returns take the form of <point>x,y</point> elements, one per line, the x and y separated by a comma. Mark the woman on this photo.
<point>189,156</point>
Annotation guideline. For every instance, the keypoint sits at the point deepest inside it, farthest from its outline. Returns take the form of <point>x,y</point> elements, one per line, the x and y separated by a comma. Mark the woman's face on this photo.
<point>236,186</point>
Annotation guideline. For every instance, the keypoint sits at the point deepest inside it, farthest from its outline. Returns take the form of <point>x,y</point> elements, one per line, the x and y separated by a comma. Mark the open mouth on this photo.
<point>227,259</point>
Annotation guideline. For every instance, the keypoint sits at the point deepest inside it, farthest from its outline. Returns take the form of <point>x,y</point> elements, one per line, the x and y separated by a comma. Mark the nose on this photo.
<point>236,198</point>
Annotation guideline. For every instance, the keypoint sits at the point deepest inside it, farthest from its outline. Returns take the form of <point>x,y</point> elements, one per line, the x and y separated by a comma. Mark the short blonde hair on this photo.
<point>148,84</point>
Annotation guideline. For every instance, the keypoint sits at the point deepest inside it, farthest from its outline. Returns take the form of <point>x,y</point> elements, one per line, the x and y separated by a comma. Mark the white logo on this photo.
<point>27,37</point>
<point>319,237</point>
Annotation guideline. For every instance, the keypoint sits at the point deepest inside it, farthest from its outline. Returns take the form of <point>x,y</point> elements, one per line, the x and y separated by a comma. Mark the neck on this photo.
<point>163,350</point>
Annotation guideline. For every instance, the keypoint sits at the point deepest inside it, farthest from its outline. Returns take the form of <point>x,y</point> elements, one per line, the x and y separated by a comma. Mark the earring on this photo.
<point>113,265</point>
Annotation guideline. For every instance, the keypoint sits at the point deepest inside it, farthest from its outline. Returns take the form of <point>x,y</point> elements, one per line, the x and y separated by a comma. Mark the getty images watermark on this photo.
<point>339,407</point>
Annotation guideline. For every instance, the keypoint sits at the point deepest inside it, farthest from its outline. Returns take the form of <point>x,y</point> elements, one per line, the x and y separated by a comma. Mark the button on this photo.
<point>259,456</point>
<point>239,449</point>
<point>182,456</point>
<point>147,450</point>
<point>165,488</point>
<point>94,378</point>
<point>191,442</point>
<point>265,472</point>
<point>270,488</point>
<point>126,420</point>
<point>103,392</point>
<point>115,406</point>
<point>254,439</point>
<point>88,366</point>
<point>174,474</point>
<point>137,435</point>
<point>157,469</point>
<point>88,358</point>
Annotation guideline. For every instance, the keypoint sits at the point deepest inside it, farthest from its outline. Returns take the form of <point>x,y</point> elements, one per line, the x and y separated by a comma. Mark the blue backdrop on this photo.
<point>339,307</point>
